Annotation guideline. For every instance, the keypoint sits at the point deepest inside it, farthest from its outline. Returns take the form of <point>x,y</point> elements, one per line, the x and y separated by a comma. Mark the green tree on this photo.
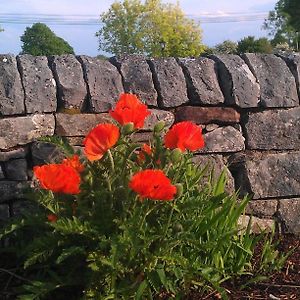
<point>283,23</point>
<point>41,40</point>
<point>226,47</point>
<point>152,28</point>
<point>252,45</point>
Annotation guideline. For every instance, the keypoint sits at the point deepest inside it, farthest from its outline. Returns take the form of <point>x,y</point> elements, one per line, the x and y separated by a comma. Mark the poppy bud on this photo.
<point>178,228</point>
<point>159,126</point>
<point>179,189</point>
<point>128,128</point>
<point>176,155</point>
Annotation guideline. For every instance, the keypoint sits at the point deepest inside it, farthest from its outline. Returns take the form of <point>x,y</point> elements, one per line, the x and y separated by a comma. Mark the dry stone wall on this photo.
<point>248,107</point>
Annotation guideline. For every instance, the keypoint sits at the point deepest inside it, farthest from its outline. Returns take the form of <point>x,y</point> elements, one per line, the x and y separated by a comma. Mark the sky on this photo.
<point>221,20</point>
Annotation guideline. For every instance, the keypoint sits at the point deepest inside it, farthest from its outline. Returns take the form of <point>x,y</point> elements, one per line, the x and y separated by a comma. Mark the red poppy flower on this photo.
<point>129,109</point>
<point>52,218</point>
<point>74,162</point>
<point>146,150</point>
<point>99,140</point>
<point>185,136</point>
<point>153,184</point>
<point>58,178</point>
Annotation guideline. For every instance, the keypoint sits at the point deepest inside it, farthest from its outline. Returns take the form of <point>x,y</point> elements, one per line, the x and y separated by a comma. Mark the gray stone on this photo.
<point>43,153</point>
<point>267,175</point>
<point>169,81</point>
<point>39,84</point>
<point>72,90</point>
<point>156,116</point>
<point>277,83</point>
<point>137,77</point>
<point>239,85</point>
<point>293,61</point>
<point>2,176</point>
<point>104,83</point>
<point>142,137</point>
<point>274,129</point>
<point>262,208</point>
<point>4,212</point>
<point>75,141</point>
<point>12,154</point>
<point>206,115</point>
<point>257,225</point>
<point>23,130</point>
<point>223,139</point>
<point>216,165</point>
<point>79,124</point>
<point>16,169</point>
<point>289,213</point>
<point>11,90</point>
<point>10,190</point>
<point>22,207</point>
<point>202,80</point>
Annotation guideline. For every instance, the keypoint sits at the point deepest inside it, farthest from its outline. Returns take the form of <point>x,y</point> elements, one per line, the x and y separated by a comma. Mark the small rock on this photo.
<point>43,153</point>
<point>16,169</point>
<point>262,208</point>
<point>223,139</point>
<point>289,213</point>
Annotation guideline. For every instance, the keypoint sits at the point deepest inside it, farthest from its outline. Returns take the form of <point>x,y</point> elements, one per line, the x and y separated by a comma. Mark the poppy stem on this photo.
<point>169,220</point>
<point>111,159</point>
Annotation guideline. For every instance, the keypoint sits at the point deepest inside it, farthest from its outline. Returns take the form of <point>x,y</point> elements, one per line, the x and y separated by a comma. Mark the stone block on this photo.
<point>293,61</point>
<point>4,212</point>
<point>257,225</point>
<point>137,77</point>
<point>10,190</point>
<point>19,208</point>
<point>23,130</point>
<point>223,139</point>
<point>202,80</point>
<point>11,90</point>
<point>267,175</point>
<point>169,81</point>
<point>13,154</point>
<point>71,88</point>
<point>156,116</point>
<point>216,165</point>
<point>78,124</point>
<point>43,153</point>
<point>2,175</point>
<point>104,83</point>
<point>239,85</point>
<point>289,214</point>
<point>262,208</point>
<point>274,129</point>
<point>206,115</point>
<point>277,83</point>
<point>16,169</point>
<point>39,84</point>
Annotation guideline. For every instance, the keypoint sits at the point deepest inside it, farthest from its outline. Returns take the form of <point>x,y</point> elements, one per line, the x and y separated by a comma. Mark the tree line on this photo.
<point>157,29</point>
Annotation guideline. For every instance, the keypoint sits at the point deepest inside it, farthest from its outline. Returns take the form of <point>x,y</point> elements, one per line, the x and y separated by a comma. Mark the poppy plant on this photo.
<point>146,150</point>
<point>58,178</point>
<point>153,184</point>
<point>185,136</point>
<point>129,109</point>
<point>74,162</point>
<point>99,140</point>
